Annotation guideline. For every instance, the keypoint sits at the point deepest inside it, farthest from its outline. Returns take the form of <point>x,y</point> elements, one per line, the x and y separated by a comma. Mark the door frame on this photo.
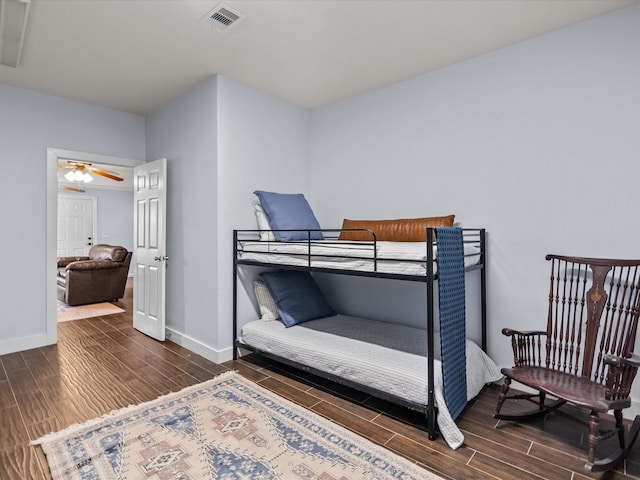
<point>53,156</point>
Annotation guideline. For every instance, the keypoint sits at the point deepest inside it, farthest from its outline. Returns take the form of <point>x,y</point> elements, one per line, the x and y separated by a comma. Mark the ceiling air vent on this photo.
<point>222,17</point>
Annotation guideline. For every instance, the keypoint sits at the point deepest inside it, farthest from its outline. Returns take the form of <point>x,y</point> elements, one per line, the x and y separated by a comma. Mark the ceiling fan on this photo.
<point>80,171</point>
<point>72,189</point>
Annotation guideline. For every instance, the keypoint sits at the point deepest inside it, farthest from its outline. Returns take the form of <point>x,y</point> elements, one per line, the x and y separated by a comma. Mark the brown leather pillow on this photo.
<point>398,230</point>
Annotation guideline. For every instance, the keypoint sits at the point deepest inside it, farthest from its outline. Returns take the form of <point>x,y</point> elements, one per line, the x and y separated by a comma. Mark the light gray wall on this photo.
<point>185,133</point>
<point>222,140</point>
<point>115,217</point>
<point>263,144</point>
<point>29,123</point>
<point>538,142</point>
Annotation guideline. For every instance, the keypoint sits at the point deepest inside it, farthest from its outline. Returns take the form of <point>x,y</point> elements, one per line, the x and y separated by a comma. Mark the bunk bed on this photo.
<point>379,358</point>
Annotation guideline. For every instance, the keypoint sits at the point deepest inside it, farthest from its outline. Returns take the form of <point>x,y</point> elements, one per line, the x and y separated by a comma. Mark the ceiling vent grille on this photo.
<point>222,17</point>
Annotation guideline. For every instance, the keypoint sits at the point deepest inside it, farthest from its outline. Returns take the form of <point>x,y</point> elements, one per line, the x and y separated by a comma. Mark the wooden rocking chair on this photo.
<point>585,357</point>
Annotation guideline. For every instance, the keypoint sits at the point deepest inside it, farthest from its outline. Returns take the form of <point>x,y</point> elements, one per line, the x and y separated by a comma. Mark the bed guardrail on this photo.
<point>331,254</point>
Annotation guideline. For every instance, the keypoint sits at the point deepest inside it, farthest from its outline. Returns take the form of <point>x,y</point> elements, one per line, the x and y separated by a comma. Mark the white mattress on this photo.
<point>368,352</point>
<point>404,258</point>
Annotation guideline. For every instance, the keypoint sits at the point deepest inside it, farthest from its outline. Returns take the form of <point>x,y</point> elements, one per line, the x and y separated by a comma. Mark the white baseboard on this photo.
<point>27,343</point>
<point>210,353</point>
<point>24,343</point>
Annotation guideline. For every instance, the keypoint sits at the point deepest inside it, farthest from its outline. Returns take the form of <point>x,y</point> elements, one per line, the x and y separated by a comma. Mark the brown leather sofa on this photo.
<point>99,277</point>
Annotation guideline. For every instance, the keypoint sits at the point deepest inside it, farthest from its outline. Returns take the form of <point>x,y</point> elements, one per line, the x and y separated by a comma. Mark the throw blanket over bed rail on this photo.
<point>452,318</point>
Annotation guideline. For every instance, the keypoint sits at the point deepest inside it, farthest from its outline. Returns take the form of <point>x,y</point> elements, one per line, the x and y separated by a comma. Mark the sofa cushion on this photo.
<point>93,265</point>
<point>64,261</point>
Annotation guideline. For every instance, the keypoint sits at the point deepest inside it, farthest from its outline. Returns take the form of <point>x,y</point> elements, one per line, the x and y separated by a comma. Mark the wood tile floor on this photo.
<point>102,363</point>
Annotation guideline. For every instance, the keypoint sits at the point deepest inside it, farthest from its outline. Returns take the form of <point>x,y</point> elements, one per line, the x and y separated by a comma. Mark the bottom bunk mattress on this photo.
<point>387,357</point>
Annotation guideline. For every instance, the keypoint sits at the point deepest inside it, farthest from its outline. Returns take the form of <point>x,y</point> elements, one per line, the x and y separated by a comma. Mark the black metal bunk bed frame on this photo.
<point>474,236</point>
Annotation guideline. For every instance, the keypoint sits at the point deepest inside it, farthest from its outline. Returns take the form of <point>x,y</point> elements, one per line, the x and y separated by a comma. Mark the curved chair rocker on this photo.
<point>585,357</point>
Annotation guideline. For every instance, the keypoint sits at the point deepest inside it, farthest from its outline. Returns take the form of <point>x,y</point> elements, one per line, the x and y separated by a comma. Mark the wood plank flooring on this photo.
<point>102,363</point>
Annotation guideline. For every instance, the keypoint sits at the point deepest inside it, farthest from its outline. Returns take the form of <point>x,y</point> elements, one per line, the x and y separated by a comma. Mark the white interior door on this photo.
<point>150,248</point>
<point>76,225</point>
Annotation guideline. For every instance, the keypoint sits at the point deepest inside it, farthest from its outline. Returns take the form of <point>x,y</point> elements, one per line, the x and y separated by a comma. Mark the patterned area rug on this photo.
<point>66,313</point>
<point>227,428</point>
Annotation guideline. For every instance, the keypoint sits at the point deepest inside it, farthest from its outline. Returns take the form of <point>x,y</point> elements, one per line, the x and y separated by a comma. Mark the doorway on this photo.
<point>54,155</point>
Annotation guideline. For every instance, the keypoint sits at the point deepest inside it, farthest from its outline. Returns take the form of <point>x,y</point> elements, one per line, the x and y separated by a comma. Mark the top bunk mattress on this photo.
<point>400,258</point>
<point>385,356</point>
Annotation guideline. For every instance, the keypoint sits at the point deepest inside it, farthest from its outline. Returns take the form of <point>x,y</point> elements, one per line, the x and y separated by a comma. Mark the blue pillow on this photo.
<point>288,211</point>
<point>297,296</point>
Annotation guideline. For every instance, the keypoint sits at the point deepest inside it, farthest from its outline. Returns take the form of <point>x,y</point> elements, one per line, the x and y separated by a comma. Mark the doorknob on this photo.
<point>161,258</point>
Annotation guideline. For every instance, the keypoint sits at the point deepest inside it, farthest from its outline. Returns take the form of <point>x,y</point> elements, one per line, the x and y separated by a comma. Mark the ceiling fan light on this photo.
<point>78,175</point>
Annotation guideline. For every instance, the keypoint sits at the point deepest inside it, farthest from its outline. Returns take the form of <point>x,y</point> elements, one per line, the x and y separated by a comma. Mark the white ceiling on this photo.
<point>136,55</point>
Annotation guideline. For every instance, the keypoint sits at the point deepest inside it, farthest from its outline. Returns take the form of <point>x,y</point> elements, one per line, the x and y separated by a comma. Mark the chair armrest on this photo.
<point>632,361</point>
<point>509,332</point>
<point>92,265</point>
<point>64,261</point>
<point>526,346</point>
<point>620,374</point>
